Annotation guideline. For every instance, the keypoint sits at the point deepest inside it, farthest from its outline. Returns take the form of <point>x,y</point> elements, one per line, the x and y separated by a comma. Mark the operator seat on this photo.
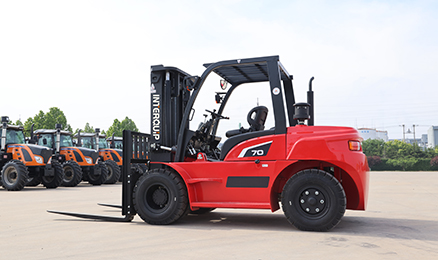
<point>256,119</point>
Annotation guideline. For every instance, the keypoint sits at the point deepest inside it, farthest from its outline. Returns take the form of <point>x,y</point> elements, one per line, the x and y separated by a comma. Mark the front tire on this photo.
<point>72,174</point>
<point>160,197</point>
<point>14,175</point>
<point>100,178</point>
<point>113,172</point>
<point>52,182</point>
<point>313,200</point>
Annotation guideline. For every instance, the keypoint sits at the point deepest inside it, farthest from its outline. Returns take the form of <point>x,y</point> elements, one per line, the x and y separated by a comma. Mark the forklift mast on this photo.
<point>169,97</point>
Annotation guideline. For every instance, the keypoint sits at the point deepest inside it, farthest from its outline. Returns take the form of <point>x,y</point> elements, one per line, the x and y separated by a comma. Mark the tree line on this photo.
<point>56,116</point>
<point>398,155</point>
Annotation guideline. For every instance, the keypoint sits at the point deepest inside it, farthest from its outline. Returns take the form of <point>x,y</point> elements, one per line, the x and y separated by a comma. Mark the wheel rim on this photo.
<point>312,201</point>
<point>68,173</point>
<point>110,172</point>
<point>11,175</point>
<point>157,197</point>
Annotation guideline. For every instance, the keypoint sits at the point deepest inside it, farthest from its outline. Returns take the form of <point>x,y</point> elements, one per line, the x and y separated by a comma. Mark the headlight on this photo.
<point>39,159</point>
<point>88,159</point>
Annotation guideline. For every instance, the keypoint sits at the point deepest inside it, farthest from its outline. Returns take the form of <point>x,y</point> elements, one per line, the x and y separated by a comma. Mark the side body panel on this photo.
<point>112,154</point>
<point>75,154</point>
<point>254,172</point>
<point>24,153</point>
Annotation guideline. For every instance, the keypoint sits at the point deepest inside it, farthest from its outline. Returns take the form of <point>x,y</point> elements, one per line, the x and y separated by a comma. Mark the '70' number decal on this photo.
<point>256,150</point>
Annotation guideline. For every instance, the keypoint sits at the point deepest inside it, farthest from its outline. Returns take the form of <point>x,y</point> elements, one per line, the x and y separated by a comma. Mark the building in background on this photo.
<point>371,133</point>
<point>423,141</point>
<point>432,136</point>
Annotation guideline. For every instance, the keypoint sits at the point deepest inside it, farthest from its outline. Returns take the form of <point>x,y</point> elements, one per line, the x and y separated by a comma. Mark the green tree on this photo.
<point>47,120</point>
<point>88,128</point>
<point>18,122</point>
<point>404,163</point>
<point>373,147</point>
<point>397,149</point>
<point>117,127</point>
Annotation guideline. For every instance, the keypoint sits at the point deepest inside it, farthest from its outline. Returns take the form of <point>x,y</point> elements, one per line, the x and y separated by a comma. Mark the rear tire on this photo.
<point>113,172</point>
<point>14,175</point>
<point>160,197</point>
<point>52,182</point>
<point>313,200</point>
<point>72,174</point>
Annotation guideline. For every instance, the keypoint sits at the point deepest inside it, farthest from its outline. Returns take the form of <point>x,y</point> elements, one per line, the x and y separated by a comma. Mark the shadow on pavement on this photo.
<point>350,225</point>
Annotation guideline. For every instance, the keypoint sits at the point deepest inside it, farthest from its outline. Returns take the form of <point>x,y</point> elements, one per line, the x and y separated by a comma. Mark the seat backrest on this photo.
<point>257,118</point>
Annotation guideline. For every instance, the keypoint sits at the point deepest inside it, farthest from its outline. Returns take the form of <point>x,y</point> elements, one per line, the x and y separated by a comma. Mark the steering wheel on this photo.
<point>213,113</point>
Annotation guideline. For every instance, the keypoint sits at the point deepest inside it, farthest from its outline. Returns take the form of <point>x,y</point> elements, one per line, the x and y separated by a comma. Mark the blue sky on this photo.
<point>374,62</point>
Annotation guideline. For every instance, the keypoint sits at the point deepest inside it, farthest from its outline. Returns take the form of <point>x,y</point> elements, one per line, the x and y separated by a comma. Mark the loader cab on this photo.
<point>14,135</point>
<point>47,138</point>
<point>88,140</point>
<point>115,142</point>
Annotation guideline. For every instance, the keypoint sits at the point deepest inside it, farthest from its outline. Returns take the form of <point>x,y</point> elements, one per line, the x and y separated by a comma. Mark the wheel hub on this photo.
<point>312,201</point>
<point>68,174</point>
<point>11,176</point>
<point>160,197</point>
<point>110,172</point>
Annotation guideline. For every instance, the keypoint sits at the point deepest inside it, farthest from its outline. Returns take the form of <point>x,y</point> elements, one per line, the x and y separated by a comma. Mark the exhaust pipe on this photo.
<point>31,134</point>
<point>112,145</point>
<point>310,100</point>
<point>58,138</point>
<point>79,144</point>
<point>5,121</point>
<point>97,130</point>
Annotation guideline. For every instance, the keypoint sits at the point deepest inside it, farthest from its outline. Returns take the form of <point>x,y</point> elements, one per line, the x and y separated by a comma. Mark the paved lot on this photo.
<point>401,223</point>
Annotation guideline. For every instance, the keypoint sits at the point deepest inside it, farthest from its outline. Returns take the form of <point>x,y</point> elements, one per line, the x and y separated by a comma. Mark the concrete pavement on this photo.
<point>401,222</point>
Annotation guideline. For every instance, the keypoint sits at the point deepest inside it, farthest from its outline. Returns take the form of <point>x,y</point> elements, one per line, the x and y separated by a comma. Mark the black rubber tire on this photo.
<point>14,175</point>
<point>121,174</point>
<point>144,168</point>
<point>72,174</point>
<point>113,172</point>
<point>160,197</point>
<point>313,200</point>
<point>101,178</point>
<point>53,182</point>
<point>201,211</point>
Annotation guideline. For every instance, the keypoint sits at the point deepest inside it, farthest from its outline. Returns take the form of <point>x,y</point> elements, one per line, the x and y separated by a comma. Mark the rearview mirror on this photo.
<point>224,84</point>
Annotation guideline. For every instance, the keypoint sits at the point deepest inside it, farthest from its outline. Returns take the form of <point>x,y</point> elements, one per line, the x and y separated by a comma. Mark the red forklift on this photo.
<point>314,173</point>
